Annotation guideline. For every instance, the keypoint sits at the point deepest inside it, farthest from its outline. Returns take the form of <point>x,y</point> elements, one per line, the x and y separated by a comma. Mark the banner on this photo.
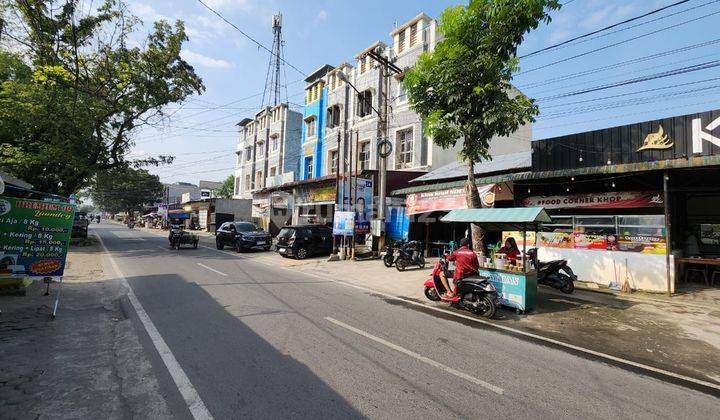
<point>642,243</point>
<point>556,239</point>
<point>363,197</point>
<point>34,237</point>
<point>607,200</point>
<point>451,199</point>
<point>344,223</point>
<point>308,195</point>
<point>585,241</point>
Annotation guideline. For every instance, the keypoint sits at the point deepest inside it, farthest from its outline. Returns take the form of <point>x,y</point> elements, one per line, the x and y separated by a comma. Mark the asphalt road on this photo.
<point>262,341</point>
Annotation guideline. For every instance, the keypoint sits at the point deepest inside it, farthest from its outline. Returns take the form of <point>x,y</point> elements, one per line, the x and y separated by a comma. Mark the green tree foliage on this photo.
<point>125,189</point>
<point>74,87</point>
<point>462,89</point>
<point>228,188</point>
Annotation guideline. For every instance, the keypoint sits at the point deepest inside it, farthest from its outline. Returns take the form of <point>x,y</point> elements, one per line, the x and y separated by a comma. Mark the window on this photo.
<point>247,182</point>
<point>248,154</point>
<point>364,104</point>
<point>653,225</point>
<point>273,143</point>
<point>333,161</point>
<point>237,186</point>
<point>333,83</point>
<point>273,171</point>
<point>311,127</point>
<point>595,225</point>
<point>258,179</point>
<point>333,116</point>
<point>401,94</point>
<point>245,227</point>
<point>405,148</point>
<point>362,65</point>
<point>364,155</point>
<point>401,41</point>
<point>239,157</point>
<point>308,167</point>
<point>413,33</point>
<point>260,149</point>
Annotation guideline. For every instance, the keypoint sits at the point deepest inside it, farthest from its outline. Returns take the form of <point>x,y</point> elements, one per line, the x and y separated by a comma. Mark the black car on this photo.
<point>242,236</point>
<point>303,241</point>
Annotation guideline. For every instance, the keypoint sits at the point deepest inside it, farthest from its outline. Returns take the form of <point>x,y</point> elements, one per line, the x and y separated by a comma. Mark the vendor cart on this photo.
<point>515,283</point>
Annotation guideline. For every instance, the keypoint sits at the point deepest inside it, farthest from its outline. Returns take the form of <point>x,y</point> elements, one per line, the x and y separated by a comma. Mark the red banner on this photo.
<point>607,200</point>
<point>446,199</point>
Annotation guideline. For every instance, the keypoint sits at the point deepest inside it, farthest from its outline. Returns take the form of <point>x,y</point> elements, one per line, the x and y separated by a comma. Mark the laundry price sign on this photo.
<point>34,237</point>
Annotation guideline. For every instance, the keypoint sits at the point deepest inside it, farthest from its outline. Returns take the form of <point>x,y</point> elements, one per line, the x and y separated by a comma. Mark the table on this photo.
<point>705,262</point>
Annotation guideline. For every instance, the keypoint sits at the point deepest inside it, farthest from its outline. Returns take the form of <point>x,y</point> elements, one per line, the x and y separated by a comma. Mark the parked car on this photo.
<point>304,240</point>
<point>80,225</point>
<point>242,236</point>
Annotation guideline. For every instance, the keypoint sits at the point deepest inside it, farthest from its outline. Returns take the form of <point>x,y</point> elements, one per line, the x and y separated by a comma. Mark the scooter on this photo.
<point>388,254</point>
<point>409,254</point>
<point>556,274</point>
<point>475,293</point>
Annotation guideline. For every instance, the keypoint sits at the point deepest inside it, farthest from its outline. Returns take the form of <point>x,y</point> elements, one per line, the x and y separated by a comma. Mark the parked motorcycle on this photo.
<point>409,254</point>
<point>475,293</point>
<point>179,237</point>
<point>388,254</point>
<point>556,274</point>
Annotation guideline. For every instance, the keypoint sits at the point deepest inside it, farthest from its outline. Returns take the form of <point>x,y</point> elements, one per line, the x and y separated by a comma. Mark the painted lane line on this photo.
<point>194,403</point>
<point>212,269</point>
<point>607,357</point>
<point>419,357</point>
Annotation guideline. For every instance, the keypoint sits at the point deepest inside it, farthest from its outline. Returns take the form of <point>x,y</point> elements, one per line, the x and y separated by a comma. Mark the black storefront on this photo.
<point>609,192</point>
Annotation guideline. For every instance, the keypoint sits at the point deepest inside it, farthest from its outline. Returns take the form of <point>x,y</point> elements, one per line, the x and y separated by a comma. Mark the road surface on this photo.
<point>250,339</point>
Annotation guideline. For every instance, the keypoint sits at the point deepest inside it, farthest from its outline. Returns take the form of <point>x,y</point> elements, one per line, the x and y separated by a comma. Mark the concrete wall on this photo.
<point>241,208</point>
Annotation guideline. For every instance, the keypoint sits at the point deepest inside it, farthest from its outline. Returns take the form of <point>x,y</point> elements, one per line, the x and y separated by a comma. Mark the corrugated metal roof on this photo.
<point>500,163</point>
<point>11,180</point>
<point>693,162</point>
<point>514,218</point>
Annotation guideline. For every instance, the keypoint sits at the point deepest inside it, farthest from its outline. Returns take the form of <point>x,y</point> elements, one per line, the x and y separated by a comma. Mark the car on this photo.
<point>302,241</point>
<point>242,236</point>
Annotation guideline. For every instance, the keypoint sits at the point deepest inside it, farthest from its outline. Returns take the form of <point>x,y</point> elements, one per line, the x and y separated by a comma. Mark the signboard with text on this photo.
<point>344,223</point>
<point>34,237</point>
<point>606,200</point>
<point>451,199</point>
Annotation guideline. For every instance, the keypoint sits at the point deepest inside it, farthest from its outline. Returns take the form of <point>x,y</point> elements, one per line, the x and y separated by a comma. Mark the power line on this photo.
<point>615,44</point>
<point>249,37</point>
<point>604,29</point>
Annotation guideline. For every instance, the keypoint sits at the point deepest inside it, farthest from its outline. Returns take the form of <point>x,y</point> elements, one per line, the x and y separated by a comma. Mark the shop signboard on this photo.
<point>308,195</point>
<point>451,199</point>
<point>35,236</point>
<point>344,223</point>
<point>606,200</point>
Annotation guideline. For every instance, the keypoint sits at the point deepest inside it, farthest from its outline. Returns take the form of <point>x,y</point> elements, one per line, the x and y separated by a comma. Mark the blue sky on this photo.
<point>202,136</point>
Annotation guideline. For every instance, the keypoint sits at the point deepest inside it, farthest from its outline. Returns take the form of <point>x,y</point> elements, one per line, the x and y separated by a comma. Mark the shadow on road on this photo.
<point>236,372</point>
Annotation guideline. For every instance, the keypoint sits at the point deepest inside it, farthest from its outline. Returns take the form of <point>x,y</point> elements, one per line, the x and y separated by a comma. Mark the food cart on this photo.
<point>516,284</point>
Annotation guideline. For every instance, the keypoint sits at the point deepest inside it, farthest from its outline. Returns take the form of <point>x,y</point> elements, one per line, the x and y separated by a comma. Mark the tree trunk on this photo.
<point>472,198</point>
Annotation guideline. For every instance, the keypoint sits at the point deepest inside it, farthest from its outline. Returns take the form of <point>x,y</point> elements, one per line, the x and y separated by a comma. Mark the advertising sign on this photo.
<point>363,196</point>
<point>710,234</point>
<point>451,199</point>
<point>585,241</point>
<point>607,200</point>
<point>307,195</point>
<point>34,237</point>
<point>344,223</point>
<point>641,243</point>
<point>556,239</point>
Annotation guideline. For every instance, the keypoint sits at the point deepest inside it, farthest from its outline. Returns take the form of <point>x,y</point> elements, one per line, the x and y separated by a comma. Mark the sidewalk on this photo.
<point>86,363</point>
<point>677,334</point>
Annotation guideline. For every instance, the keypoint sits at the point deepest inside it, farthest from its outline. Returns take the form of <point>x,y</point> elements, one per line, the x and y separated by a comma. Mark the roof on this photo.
<point>11,180</point>
<point>421,16</point>
<point>244,122</point>
<point>322,71</point>
<point>372,47</point>
<point>210,185</point>
<point>500,163</point>
<point>513,218</point>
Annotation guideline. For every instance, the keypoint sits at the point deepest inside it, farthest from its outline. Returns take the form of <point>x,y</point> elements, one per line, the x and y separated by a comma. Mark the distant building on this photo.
<point>208,189</point>
<point>173,193</point>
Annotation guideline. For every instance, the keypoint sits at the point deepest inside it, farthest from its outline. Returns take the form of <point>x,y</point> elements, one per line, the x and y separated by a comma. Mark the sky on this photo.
<point>202,135</point>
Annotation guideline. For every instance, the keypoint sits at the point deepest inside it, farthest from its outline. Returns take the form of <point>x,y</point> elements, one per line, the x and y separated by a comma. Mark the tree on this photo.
<point>228,188</point>
<point>125,189</point>
<point>74,89</point>
<point>462,89</point>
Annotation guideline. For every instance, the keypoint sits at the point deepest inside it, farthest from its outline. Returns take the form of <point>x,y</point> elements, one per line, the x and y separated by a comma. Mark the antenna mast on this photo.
<point>273,77</point>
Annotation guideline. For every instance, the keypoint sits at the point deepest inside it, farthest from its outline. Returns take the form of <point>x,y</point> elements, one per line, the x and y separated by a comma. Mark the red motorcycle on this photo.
<point>474,293</point>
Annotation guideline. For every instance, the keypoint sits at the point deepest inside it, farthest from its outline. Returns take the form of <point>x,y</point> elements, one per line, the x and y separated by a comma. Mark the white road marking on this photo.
<point>212,269</point>
<point>558,343</point>
<point>419,357</point>
<point>194,403</point>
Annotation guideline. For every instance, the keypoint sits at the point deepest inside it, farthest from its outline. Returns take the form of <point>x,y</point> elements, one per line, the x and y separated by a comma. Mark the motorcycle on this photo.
<point>556,274</point>
<point>179,237</point>
<point>131,225</point>
<point>409,254</point>
<point>475,293</point>
<point>388,254</point>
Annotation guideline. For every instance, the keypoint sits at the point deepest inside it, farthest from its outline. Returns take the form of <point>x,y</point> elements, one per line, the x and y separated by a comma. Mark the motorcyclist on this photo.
<point>466,264</point>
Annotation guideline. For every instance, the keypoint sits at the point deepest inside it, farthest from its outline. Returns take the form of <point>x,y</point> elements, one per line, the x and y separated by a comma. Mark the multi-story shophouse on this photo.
<point>267,155</point>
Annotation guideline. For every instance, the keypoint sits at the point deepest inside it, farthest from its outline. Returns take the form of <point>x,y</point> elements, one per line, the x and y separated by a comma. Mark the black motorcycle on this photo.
<point>556,274</point>
<point>388,254</point>
<point>409,254</point>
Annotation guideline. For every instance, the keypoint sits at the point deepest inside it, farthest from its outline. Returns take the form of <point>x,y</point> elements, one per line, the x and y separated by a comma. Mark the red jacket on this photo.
<point>466,262</point>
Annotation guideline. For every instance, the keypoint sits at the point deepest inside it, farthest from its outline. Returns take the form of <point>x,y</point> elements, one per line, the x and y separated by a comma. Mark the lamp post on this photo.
<point>382,164</point>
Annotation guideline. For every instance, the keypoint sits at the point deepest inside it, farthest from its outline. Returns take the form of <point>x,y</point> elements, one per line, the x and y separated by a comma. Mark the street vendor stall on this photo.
<point>515,283</point>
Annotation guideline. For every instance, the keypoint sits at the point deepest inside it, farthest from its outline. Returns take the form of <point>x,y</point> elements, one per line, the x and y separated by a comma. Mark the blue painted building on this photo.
<point>313,130</point>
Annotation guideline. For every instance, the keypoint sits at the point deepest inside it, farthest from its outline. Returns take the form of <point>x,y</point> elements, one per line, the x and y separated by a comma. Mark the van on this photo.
<point>302,241</point>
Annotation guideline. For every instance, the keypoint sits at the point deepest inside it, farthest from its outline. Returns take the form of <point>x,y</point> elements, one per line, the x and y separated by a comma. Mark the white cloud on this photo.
<point>229,5</point>
<point>596,18</point>
<point>204,61</point>
<point>321,16</point>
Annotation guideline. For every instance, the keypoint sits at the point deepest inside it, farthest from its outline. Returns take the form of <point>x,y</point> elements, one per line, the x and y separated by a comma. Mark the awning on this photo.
<point>513,218</point>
